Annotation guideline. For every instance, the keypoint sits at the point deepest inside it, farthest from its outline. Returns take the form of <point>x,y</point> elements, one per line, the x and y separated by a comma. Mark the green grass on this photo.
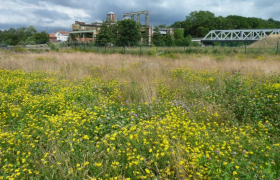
<point>166,51</point>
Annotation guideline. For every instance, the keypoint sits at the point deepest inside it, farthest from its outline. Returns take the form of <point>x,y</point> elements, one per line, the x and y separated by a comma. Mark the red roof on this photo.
<point>62,32</point>
<point>52,36</point>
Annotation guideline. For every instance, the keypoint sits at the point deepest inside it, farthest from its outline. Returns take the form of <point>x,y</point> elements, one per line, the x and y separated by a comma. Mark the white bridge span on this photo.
<point>238,35</point>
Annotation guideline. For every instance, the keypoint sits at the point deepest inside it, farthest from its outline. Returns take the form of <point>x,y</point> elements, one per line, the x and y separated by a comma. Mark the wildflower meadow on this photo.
<point>138,117</point>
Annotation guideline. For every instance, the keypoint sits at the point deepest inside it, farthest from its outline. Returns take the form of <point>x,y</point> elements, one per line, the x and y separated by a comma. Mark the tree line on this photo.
<point>199,23</point>
<point>126,33</point>
<point>23,36</point>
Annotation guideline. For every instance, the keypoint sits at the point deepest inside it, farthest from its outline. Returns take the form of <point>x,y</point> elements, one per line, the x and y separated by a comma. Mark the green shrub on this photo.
<point>53,47</point>
<point>20,49</point>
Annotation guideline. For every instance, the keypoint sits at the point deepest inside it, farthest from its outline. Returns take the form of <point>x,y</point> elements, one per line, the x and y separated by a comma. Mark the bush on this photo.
<point>195,44</point>
<point>153,51</point>
<point>53,47</point>
<point>20,49</point>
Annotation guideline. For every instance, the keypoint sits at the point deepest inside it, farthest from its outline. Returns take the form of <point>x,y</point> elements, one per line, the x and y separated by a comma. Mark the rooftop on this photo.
<point>111,12</point>
<point>62,32</point>
<point>52,36</point>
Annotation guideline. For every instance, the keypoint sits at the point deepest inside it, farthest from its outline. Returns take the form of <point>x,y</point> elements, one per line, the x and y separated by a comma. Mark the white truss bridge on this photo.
<point>238,35</point>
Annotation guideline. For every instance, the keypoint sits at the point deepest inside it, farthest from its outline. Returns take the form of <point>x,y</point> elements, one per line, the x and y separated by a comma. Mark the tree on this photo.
<point>30,31</point>
<point>198,23</point>
<point>168,40</point>
<point>12,31</point>
<point>178,24</point>
<point>145,36</point>
<point>162,26</point>
<point>105,35</point>
<point>128,32</point>
<point>14,40</point>
<point>157,38</point>
<point>20,32</point>
<point>41,38</point>
<point>238,22</point>
<point>179,37</point>
<point>220,23</point>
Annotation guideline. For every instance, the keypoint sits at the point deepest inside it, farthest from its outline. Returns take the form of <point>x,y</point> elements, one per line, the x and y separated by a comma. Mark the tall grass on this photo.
<point>85,116</point>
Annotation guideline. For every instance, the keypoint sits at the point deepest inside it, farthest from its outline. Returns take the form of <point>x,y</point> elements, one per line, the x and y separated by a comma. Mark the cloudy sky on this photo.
<point>52,15</point>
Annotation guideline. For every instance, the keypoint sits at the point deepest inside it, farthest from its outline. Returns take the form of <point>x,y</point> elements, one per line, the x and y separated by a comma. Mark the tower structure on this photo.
<point>111,17</point>
<point>138,14</point>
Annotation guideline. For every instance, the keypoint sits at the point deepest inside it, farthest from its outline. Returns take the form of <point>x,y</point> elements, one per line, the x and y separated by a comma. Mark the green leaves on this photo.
<point>128,33</point>
<point>106,35</point>
<point>157,38</point>
<point>199,23</point>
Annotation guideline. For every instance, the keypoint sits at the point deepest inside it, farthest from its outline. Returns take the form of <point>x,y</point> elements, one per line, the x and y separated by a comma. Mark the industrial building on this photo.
<point>87,32</point>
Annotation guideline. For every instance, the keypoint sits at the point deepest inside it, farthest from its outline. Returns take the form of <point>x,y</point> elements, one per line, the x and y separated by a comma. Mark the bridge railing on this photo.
<point>239,35</point>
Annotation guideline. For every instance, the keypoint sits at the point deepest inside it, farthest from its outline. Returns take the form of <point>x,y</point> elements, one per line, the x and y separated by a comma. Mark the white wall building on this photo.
<point>62,36</point>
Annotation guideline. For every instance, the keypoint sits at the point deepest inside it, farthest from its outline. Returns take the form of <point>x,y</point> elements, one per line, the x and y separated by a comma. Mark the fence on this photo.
<point>215,48</point>
<point>27,47</point>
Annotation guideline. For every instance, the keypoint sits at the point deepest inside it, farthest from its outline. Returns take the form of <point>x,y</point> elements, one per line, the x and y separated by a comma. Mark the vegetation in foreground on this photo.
<point>174,123</point>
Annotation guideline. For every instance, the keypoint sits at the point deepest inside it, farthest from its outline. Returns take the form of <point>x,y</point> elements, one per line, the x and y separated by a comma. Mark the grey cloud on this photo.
<point>267,3</point>
<point>51,14</point>
<point>161,11</point>
<point>66,3</point>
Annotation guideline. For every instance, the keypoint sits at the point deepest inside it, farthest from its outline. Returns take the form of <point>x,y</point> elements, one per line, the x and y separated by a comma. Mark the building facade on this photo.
<point>52,38</point>
<point>62,36</point>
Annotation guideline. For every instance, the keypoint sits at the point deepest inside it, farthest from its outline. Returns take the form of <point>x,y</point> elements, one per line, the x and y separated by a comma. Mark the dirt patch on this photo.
<point>267,42</point>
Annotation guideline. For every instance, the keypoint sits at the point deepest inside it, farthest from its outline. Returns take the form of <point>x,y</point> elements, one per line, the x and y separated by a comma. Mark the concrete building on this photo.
<point>83,32</point>
<point>164,31</point>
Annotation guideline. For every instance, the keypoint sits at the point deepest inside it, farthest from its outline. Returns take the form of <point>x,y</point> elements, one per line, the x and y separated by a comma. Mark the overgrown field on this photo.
<point>90,116</point>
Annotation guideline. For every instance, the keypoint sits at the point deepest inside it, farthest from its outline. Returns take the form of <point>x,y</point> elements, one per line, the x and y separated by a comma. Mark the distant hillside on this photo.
<point>199,23</point>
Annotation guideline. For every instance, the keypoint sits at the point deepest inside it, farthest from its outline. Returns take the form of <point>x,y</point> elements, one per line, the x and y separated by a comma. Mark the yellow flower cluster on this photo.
<point>51,127</point>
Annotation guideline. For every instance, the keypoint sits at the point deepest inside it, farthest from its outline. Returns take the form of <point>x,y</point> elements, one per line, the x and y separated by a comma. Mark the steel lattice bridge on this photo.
<point>238,35</point>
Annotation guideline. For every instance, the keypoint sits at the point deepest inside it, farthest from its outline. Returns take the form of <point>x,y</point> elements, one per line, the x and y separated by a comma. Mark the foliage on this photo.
<point>254,98</point>
<point>179,38</point>
<point>53,47</point>
<point>168,39</point>
<point>128,33</point>
<point>30,31</point>
<point>157,39</point>
<point>23,36</point>
<point>199,23</point>
<point>145,37</point>
<point>162,26</point>
<point>153,51</point>
<point>41,38</point>
<point>178,34</point>
<point>177,24</point>
<point>56,128</point>
<point>105,35</point>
